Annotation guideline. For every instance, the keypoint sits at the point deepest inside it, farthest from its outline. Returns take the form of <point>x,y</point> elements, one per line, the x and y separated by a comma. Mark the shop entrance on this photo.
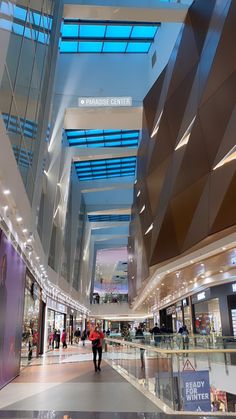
<point>232,310</point>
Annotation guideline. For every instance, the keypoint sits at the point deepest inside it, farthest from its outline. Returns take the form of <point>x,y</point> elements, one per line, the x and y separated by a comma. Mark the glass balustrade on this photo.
<point>179,376</point>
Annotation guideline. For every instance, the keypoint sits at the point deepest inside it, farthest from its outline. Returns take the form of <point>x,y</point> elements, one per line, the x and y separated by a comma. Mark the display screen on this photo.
<point>111,271</point>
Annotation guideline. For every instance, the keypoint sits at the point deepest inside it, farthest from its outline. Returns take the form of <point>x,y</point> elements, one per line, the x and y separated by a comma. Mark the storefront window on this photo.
<point>55,321</point>
<point>187,318</point>
<point>30,333</point>
<point>207,317</point>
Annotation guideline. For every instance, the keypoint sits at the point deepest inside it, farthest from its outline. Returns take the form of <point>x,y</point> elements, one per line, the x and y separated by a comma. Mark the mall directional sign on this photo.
<point>104,101</point>
<point>196,391</point>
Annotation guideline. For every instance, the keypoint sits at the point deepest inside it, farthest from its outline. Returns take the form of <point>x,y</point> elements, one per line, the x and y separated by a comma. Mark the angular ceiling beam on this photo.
<point>104,118</point>
<point>125,10</point>
<point>83,154</point>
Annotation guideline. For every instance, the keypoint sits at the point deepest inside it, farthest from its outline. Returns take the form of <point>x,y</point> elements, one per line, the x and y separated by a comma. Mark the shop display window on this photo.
<point>30,332</point>
<point>207,317</point>
<point>187,318</point>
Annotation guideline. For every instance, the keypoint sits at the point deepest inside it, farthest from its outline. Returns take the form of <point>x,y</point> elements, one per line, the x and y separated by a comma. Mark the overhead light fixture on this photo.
<point>37,258</point>
<point>6,192</point>
<point>185,138</point>
<point>231,155</point>
<point>19,219</point>
<point>139,192</point>
<point>135,181</point>
<point>142,209</point>
<point>5,207</point>
<point>149,229</point>
<point>156,128</point>
<point>46,173</point>
<point>24,230</point>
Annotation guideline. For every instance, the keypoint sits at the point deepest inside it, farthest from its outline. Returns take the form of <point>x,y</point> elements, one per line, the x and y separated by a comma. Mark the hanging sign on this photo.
<point>196,391</point>
<point>104,101</point>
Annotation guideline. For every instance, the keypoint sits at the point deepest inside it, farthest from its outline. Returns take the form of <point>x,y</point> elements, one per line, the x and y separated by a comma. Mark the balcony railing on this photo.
<point>198,378</point>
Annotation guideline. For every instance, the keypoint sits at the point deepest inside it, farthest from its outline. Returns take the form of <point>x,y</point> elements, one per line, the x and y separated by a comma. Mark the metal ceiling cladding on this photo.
<point>103,138</point>
<point>80,36</point>
<point>105,169</point>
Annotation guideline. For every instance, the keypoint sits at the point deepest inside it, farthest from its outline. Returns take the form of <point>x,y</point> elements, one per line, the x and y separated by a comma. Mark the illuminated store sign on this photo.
<point>201,296</point>
<point>104,101</point>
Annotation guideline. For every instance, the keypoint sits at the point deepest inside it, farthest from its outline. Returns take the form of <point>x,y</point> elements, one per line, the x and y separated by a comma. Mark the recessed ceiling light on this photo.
<point>191,261</point>
<point>142,209</point>
<point>202,264</point>
<point>149,229</point>
<point>24,230</point>
<point>19,219</point>
<point>221,271</point>
<point>139,192</point>
<point>223,248</point>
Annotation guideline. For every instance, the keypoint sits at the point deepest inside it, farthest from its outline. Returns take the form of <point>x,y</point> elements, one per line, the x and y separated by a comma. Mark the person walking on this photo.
<point>63,339</point>
<point>139,335</point>
<point>58,338</point>
<point>156,335</point>
<point>77,335</point>
<point>185,338</point>
<point>96,337</point>
<point>83,337</point>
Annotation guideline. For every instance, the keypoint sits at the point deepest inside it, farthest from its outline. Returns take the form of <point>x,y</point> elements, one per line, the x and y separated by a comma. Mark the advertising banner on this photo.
<point>196,391</point>
<point>12,282</point>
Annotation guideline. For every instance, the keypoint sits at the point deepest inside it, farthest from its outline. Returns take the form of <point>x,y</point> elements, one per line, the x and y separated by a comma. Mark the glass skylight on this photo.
<point>103,138</point>
<point>105,169</point>
<point>100,218</point>
<point>26,22</point>
<point>107,37</point>
<point>20,125</point>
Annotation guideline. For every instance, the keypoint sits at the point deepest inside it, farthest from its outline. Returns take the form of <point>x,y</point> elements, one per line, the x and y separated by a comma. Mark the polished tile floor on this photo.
<point>63,385</point>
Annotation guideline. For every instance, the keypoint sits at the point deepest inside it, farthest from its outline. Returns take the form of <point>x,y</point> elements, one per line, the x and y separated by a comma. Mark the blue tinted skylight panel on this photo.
<point>90,46</point>
<point>143,32</point>
<point>36,18</point>
<point>94,131</point>
<point>27,33</point>
<point>112,137</point>
<point>5,24</point>
<point>70,31</point>
<point>92,31</point>
<point>117,31</point>
<point>68,46</point>
<point>19,29</point>
<point>138,47</point>
<point>130,135</point>
<point>5,8</point>
<point>19,13</point>
<point>42,37</point>
<point>114,46</point>
<point>113,144</point>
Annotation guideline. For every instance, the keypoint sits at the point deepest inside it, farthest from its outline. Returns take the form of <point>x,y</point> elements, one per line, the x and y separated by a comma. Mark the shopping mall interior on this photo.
<point>117,209</point>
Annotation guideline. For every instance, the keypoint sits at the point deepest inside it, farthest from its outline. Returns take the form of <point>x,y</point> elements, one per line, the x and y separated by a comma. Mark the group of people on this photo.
<point>160,332</point>
<point>56,337</point>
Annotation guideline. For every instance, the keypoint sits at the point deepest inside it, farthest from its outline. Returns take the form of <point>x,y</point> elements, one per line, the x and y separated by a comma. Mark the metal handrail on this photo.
<point>124,342</point>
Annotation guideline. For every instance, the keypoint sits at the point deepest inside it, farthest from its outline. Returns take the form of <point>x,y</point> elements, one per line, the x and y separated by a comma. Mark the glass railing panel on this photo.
<point>188,380</point>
